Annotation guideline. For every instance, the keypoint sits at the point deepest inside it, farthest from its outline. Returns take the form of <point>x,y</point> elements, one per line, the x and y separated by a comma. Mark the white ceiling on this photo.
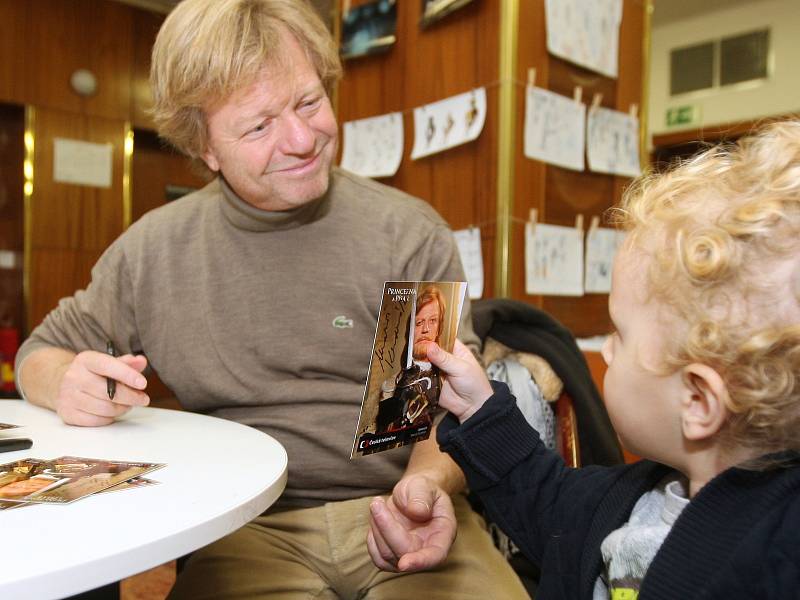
<point>669,11</point>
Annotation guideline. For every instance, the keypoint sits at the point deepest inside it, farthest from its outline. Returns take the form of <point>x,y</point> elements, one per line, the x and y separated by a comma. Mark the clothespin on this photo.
<point>578,93</point>
<point>597,99</point>
<point>345,8</point>
<point>579,222</point>
<point>532,77</point>
<point>533,216</point>
<point>594,224</point>
<point>633,110</point>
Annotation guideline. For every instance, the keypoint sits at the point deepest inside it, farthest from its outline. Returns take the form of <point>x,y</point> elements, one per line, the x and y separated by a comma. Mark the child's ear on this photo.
<point>704,404</point>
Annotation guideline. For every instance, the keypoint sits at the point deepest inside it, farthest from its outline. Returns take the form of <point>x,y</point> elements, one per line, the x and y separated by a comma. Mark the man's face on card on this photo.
<point>426,328</point>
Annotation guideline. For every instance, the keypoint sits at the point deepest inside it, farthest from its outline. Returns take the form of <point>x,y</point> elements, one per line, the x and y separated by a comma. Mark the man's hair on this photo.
<point>723,233</point>
<point>428,295</point>
<point>208,49</point>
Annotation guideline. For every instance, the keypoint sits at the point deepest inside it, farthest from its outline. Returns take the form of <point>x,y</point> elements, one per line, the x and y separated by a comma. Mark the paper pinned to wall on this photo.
<point>373,147</point>
<point>612,142</point>
<point>82,163</point>
<point>554,128</point>
<point>585,32</point>
<point>553,260</point>
<point>449,122</point>
<point>601,247</point>
<point>469,247</point>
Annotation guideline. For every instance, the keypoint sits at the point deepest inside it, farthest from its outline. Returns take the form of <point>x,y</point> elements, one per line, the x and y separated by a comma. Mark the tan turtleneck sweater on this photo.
<point>234,308</point>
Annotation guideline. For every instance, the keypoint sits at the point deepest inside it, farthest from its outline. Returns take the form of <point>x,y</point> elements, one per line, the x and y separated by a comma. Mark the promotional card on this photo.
<point>65,479</point>
<point>401,397</point>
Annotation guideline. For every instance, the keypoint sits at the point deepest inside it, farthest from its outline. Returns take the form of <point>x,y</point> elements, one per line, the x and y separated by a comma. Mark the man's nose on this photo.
<point>297,136</point>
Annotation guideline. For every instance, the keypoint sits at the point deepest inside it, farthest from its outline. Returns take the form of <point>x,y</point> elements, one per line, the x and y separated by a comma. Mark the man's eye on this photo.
<point>260,127</point>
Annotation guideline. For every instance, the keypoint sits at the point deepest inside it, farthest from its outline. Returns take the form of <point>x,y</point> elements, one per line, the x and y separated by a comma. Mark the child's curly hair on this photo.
<point>723,232</point>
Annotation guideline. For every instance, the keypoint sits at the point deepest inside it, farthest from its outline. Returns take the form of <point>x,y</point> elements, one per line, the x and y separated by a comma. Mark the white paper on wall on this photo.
<point>554,128</point>
<point>612,142</point>
<point>448,123</point>
<point>373,147</point>
<point>585,32</point>
<point>82,163</point>
<point>553,260</point>
<point>469,248</point>
<point>601,247</point>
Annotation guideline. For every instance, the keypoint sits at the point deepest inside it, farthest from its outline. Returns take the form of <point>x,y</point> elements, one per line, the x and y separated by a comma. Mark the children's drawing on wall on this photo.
<point>612,142</point>
<point>373,147</point>
<point>585,32</point>
<point>471,253</point>
<point>553,260</point>
<point>601,246</point>
<point>447,123</point>
<point>554,128</point>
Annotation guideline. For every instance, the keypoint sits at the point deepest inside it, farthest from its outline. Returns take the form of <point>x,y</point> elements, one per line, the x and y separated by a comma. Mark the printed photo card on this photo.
<point>401,397</point>
<point>65,479</point>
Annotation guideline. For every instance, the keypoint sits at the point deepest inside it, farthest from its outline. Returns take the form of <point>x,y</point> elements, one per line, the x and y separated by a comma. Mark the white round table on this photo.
<point>218,476</point>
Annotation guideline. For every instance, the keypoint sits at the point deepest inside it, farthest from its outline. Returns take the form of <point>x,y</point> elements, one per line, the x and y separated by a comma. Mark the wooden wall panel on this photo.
<point>453,56</point>
<point>12,126</point>
<point>145,28</point>
<point>154,168</point>
<point>13,27</point>
<point>70,224</point>
<point>65,36</point>
<point>56,273</point>
<point>73,216</point>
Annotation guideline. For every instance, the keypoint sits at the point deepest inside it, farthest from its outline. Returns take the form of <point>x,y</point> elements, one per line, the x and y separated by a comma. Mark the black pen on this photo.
<point>111,384</point>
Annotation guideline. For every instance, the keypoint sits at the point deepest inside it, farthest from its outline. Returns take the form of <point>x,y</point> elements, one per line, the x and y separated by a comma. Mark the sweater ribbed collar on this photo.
<point>249,218</point>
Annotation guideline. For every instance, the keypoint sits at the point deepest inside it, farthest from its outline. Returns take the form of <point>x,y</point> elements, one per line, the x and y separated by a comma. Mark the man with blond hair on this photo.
<point>245,298</point>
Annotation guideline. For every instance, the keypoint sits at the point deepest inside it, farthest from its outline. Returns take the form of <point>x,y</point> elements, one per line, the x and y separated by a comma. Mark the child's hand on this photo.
<point>466,387</point>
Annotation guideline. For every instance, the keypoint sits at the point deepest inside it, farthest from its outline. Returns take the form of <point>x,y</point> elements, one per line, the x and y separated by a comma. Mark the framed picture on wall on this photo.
<point>435,10</point>
<point>369,28</point>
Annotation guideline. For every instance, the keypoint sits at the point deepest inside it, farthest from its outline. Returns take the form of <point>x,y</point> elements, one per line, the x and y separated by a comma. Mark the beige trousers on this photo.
<point>322,553</point>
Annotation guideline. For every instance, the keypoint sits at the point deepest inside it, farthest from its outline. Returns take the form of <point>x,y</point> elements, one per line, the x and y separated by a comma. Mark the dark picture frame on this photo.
<point>369,29</point>
<point>435,10</point>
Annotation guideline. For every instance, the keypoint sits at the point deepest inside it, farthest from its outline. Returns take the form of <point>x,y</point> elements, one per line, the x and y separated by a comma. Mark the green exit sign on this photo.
<point>683,115</point>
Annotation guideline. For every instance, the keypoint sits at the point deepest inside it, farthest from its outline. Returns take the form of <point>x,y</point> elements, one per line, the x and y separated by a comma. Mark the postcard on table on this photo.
<point>65,479</point>
<point>401,397</point>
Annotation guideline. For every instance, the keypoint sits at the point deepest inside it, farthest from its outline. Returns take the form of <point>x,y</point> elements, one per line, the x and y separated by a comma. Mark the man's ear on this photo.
<point>704,406</point>
<point>210,159</point>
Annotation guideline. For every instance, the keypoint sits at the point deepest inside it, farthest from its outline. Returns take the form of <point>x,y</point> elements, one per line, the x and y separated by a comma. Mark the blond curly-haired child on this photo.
<point>703,381</point>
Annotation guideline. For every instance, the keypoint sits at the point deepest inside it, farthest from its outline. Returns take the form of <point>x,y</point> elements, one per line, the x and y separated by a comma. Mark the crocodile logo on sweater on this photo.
<point>342,322</point>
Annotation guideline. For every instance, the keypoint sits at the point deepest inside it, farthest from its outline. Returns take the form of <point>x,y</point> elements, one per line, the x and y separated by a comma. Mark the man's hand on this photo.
<point>466,386</point>
<point>414,528</point>
<point>82,397</point>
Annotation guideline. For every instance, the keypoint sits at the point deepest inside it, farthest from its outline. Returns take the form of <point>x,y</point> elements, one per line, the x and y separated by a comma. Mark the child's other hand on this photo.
<point>466,386</point>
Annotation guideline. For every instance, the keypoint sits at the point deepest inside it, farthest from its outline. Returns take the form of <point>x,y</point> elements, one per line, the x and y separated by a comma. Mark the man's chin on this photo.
<point>291,195</point>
